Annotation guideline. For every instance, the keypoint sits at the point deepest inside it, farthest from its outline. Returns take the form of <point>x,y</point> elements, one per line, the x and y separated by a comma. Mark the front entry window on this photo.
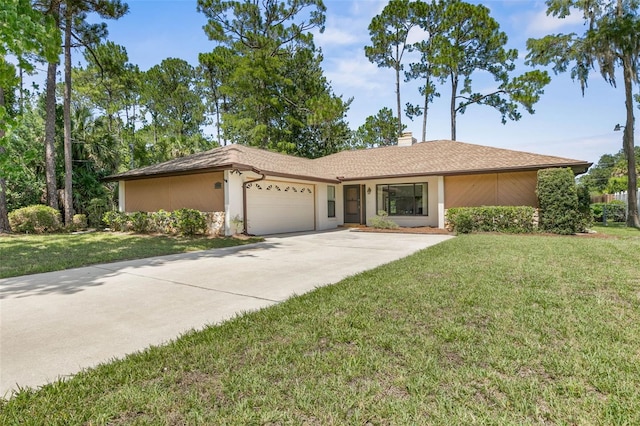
<point>331,201</point>
<point>405,199</point>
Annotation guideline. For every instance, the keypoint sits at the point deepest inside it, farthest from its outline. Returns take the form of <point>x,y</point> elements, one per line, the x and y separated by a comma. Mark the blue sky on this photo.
<point>565,123</point>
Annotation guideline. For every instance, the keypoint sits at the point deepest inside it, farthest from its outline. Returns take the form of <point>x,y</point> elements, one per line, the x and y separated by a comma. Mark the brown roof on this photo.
<point>237,157</point>
<point>441,157</point>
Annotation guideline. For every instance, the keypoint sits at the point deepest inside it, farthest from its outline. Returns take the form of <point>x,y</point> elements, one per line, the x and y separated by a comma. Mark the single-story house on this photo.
<point>275,193</point>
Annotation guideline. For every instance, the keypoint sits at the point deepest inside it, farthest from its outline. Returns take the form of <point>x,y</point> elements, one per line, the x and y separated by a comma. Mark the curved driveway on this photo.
<point>56,324</point>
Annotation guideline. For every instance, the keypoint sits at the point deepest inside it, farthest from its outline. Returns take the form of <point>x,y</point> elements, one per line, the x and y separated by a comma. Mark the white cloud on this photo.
<point>417,34</point>
<point>354,74</point>
<point>539,23</point>
<point>333,37</point>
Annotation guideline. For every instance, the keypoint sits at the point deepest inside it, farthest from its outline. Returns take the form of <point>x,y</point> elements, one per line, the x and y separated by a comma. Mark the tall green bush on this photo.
<point>558,202</point>
<point>584,206</point>
<point>36,219</point>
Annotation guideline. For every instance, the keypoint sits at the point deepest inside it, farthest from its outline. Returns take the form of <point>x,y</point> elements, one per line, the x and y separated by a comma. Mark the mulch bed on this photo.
<point>416,230</point>
<point>438,231</point>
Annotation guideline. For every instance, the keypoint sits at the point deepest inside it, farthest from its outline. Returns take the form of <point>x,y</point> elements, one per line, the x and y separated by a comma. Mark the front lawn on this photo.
<point>31,254</point>
<point>617,229</point>
<point>481,329</point>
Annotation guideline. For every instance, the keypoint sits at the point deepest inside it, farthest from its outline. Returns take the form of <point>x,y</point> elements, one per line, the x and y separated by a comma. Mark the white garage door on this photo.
<point>277,207</point>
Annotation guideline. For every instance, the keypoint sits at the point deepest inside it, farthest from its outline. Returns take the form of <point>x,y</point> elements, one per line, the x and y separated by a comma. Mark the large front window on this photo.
<point>404,199</point>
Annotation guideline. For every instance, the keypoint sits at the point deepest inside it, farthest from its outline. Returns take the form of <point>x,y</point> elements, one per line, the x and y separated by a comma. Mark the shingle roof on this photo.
<point>440,157</point>
<point>234,157</point>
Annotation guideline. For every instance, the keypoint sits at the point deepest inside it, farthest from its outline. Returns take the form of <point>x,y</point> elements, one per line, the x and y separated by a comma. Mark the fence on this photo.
<point>622,196</point>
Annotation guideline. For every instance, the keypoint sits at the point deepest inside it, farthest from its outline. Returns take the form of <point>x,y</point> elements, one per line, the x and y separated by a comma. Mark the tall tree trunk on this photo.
<point>126,132</point>
<point>4,211</point>
<point>454,91</point>
<point>398,102</point>
<point>50,137</point>
<point>633,219</point>
<point>426,107</point>
<point>68,165</point>
<point>21,89</point>
<point>218,122</point>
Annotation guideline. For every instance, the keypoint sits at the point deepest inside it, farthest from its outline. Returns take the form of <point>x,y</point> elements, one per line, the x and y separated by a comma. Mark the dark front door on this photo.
<point>352,204</point>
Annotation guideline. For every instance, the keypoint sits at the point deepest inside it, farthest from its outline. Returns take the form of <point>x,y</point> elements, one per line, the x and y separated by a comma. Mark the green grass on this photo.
<point>481,329</point>
<point>30,254</point>
<point>617,229</point>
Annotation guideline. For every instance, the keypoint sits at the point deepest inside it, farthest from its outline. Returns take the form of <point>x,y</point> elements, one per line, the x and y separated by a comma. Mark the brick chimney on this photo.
<point>406,139</point>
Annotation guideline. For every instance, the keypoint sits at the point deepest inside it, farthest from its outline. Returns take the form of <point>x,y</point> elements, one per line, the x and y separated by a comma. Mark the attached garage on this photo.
<point>275,207</point>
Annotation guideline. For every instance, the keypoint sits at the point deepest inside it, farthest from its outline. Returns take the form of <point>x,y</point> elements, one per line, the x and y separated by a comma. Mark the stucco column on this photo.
<point>233,204</point>
<point>441,202</point>
<point>121,196</point>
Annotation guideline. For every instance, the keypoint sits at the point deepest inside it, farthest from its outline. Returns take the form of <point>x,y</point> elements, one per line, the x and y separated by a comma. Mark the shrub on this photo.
<point>96,208</point>
<point>79,222</point>
<point>584,206</point>
<point>116,221</point>
<point>616,211</point>
<point>460,220</point>
<point>190,222</point>
<point>163,222</point>
<point>382,221</point>
<point>37,219</point>
<point>238,224</point>
<point>558,200</point>
<point>508,219</point>
<point>140,222</point>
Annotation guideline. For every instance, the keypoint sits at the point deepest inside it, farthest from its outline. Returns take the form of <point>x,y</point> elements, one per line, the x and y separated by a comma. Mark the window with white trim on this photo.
<point>331,201</point>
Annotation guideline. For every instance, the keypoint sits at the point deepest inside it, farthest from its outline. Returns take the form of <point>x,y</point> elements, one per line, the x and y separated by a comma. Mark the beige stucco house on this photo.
<point>274,193</point>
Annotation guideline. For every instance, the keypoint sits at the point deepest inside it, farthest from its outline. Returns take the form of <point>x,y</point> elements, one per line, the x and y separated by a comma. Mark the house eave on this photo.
<point>232,166</point>
<point>125,177</point>
<point>300,177</point>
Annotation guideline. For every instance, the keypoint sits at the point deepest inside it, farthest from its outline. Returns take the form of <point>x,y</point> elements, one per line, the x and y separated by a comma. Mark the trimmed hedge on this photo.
<point>616,211</point>
<point>507,219</point>
<point>36,219</point>
<point>183,221</point>
<point>558,200</point>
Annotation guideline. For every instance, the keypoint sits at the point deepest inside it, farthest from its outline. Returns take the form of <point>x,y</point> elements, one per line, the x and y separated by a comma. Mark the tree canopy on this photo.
<point>468,41</point>
<point>265,76</point>
<point>23,31</point>
<point>389,33</point>
<point>378,130</point>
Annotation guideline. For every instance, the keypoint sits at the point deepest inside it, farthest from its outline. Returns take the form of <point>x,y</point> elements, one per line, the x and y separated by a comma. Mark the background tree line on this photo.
<point>262,84</point>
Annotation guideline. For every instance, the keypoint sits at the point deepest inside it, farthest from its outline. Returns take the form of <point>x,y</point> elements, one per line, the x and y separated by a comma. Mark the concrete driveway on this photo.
<point>56,324</point>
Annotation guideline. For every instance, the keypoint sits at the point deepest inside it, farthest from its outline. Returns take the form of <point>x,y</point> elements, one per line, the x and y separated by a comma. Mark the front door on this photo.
<point>352,204</point>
